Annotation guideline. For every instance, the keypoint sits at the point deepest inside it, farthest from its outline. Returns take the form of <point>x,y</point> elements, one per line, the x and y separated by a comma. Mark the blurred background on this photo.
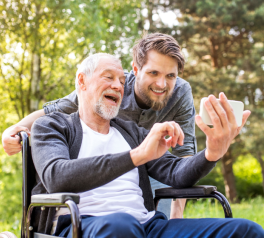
<point>43,41</point>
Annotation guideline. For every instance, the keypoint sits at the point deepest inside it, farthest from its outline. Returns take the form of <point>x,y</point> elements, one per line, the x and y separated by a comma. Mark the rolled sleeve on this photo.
<point>68,104</point>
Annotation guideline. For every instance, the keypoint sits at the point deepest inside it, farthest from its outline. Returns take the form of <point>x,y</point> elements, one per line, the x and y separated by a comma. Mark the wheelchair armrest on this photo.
<point>195,191</point>
<point>55,198</point>
<point>69,200</point>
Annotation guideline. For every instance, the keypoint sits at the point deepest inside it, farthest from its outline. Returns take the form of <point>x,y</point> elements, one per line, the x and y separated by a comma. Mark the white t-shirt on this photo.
<point>123,194</point>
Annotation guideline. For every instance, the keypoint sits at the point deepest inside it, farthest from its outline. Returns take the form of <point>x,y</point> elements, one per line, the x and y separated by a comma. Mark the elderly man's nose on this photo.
<point>161,82</point>
<point>116,84</point>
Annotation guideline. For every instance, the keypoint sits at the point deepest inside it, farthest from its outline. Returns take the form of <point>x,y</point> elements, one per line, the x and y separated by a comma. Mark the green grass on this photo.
<point>252,209</point>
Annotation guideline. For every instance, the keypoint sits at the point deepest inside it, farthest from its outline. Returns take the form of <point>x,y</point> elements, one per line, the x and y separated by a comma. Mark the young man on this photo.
<point>153,93</point>
<point>108,162</point>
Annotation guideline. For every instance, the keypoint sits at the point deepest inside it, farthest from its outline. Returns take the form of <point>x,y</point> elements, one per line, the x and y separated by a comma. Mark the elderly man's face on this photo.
<point>105,88</point>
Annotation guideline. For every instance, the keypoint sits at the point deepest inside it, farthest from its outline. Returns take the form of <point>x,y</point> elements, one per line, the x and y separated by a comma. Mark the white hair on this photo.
<point>89,65</point>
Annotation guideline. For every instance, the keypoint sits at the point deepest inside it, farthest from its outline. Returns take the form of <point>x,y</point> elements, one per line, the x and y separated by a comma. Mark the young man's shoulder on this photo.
<point>56,120</point>
<point>182,83</point>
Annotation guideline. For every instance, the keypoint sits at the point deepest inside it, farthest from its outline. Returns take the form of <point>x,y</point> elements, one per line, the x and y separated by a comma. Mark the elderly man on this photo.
<point>107,160</point>
<point>153,93</point>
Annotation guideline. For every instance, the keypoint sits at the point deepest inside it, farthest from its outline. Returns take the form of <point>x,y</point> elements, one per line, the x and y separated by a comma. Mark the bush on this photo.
<point>248,177</point>
<point>10,193</point>
<point>247,171</point>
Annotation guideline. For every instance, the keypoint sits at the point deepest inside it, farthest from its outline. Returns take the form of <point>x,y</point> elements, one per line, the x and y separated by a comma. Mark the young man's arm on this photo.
<point>184,115</point>
<point>11,141</point>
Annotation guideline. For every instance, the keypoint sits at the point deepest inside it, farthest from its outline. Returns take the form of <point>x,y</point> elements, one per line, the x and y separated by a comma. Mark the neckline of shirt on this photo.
<point>87,129</point>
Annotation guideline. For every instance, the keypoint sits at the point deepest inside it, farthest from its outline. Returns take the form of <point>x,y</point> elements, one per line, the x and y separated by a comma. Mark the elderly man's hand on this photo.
<point>225,129</point>
<point>155,144</point>
<point>10,139</point>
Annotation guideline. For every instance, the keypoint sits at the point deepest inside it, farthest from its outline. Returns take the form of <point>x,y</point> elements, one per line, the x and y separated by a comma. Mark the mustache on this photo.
<point>111,91</point>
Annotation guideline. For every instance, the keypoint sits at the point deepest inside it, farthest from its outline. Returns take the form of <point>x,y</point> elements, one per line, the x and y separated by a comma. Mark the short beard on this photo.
<point>107,112</point>
<point>154,105</point>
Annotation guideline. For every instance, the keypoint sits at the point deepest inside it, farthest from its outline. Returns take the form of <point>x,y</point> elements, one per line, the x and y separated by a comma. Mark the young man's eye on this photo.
<point>154,72</point>
<point>171,75</point>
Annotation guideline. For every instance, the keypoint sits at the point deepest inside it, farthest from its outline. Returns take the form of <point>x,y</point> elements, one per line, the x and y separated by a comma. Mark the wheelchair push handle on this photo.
<point>23,136</point>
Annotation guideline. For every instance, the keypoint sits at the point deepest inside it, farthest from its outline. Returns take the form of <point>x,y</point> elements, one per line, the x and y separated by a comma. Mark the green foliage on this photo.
<point>214,178</point>
<point>247,176</point>
<point>252,209</point>
<point>42,42</point>
<point>10,193</point>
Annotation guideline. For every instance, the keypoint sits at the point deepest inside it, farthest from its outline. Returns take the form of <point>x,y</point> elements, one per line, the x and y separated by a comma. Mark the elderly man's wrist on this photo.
<point>211,156</point>
<point>137,156</point>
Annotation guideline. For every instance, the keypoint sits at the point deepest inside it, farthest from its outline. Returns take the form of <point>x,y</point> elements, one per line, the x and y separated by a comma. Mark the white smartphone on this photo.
<point>237,106</point>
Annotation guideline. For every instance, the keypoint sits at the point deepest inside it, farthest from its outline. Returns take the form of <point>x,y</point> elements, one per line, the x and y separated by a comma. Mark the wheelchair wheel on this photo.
<point>7,234</point>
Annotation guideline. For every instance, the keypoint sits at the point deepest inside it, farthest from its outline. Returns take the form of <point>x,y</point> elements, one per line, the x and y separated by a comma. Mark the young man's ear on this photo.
<point>81,81</point>
<point>135,68</point>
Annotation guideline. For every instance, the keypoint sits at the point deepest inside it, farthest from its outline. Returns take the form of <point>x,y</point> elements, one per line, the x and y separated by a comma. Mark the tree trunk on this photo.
<point>150,14</point>
<point>260,160</point>
<point>229,178</point>
<point>34,102</point>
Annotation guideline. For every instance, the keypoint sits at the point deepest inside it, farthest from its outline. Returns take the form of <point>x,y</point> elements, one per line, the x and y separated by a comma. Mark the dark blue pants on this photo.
<point>125,226</point>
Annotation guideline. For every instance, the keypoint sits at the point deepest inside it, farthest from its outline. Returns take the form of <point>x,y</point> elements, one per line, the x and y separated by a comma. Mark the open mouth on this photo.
<point>112,98</point>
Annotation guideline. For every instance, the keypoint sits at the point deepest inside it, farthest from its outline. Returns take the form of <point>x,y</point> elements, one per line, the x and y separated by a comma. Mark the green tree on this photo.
<point>43,41</point>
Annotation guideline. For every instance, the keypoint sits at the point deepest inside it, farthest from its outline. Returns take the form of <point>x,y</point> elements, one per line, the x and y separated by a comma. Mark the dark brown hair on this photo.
<point>162,43</point>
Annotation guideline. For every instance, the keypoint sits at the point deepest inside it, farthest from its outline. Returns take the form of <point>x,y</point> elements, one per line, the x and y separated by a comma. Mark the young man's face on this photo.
<point>155,81</point>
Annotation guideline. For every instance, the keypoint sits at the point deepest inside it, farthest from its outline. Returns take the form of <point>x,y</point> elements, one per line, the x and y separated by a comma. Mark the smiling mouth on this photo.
<point>158,91</point>
<point>113,98</point>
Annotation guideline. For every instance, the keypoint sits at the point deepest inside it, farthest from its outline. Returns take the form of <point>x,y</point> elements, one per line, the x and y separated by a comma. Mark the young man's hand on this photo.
<point>225,129</point>
<point>10,139</point>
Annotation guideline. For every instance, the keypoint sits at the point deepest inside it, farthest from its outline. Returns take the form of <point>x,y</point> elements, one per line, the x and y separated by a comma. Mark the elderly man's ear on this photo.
<point>81,81</point>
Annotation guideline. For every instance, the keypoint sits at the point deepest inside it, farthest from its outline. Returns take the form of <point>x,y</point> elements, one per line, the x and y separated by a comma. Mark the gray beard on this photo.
<point>106,112</point>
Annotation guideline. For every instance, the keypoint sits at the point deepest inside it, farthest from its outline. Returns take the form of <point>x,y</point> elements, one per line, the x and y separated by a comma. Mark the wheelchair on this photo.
<point>71,200</point>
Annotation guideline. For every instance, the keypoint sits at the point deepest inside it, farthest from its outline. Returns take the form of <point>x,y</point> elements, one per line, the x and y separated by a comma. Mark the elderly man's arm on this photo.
<point>61,172</point>
<point>51,138</point>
